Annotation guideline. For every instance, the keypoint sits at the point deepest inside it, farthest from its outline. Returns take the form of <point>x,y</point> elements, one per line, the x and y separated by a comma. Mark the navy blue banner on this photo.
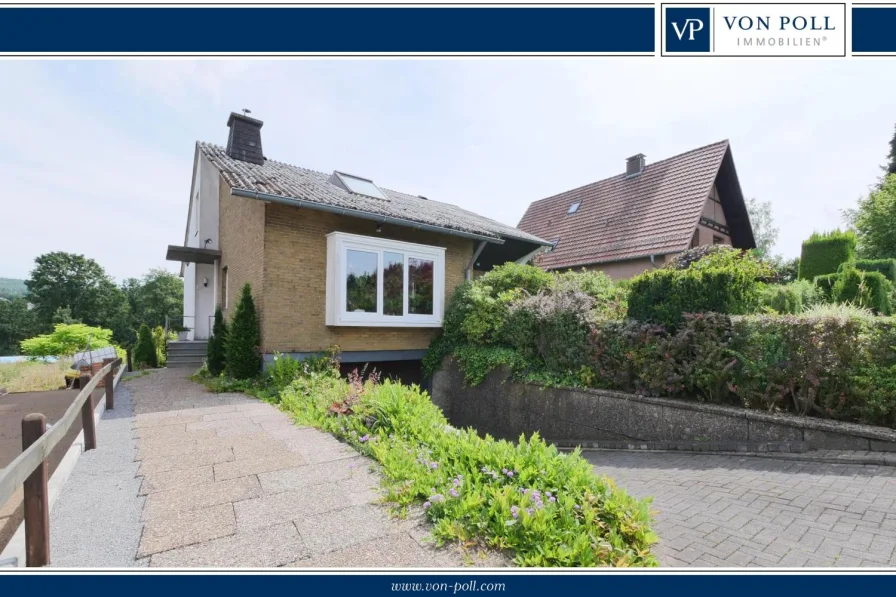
<point>330,30</point>
<point>370,585</point>
<point>874,29</point>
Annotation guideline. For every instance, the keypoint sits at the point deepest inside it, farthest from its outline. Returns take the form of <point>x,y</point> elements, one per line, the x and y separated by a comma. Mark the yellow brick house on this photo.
<point>331,258</point>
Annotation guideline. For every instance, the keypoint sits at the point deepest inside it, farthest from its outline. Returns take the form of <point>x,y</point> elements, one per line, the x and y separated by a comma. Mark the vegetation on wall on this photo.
<point>243,354</point>
<point>824,252</point>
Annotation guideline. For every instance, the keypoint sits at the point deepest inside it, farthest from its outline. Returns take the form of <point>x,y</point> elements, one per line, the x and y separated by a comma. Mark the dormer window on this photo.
<point>357,185</point>
<point>574,208</point>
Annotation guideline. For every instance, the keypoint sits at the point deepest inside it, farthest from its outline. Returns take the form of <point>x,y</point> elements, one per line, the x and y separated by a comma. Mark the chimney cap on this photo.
<point>637,156</point>
<point>244,118</point>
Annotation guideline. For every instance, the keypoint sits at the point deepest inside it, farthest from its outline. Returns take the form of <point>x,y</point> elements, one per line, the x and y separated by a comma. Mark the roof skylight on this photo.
<point>574,207</point>
<point>361,186</point>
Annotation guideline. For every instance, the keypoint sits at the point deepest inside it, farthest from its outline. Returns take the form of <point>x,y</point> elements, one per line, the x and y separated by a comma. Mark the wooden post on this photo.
<point>130,365</point>
<point>37,503</point>
<point>87,422</point>
<point>109,384</point>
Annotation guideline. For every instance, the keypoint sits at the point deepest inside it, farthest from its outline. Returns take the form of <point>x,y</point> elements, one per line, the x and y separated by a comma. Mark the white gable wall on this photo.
<point>200,280</point>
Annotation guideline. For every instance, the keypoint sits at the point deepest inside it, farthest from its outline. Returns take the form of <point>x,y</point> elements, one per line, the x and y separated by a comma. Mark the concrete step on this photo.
<point>183,365</point>
<point>188,351</point>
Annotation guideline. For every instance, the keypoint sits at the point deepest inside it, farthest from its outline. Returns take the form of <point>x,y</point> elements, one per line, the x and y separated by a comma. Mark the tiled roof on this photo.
<point>622,217</point>
<point>285,180</point>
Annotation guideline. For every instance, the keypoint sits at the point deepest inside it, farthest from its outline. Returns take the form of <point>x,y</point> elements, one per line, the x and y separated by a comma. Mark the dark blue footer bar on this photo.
<point>458,583</point>
<point>330,30</point>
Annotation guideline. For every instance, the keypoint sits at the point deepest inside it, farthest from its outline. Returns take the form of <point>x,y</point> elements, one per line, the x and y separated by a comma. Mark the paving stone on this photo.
<point>287,506</point>
<point>314,474</point>
<point>175,479</point>
<point>193,497</point>
<point>342,528</point>
<point>183,461</point>
<point>254,466</point>
<point>277,545</point>
<point>385,552</point>
<point>186,528</point>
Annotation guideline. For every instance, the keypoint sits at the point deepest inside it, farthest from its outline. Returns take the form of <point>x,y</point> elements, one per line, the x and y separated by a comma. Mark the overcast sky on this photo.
<point>96,156</point>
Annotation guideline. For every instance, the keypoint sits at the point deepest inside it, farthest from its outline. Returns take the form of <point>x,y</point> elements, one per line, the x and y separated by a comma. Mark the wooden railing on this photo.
<point>30,468</point>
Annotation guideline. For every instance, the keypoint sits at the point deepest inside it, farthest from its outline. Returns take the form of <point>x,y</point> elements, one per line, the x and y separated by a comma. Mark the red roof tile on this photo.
<point>652,213</point>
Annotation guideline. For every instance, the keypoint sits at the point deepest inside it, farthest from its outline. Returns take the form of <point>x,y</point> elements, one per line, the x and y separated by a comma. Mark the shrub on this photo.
<point>242,350</point>
<point>864,289</point>
<point>558,332</point>
<point>216,358</point>
<point>665,295</point>
<point>66,339</point>
<point>887,267</point>
<point>161,343</point>
<point>825,286</point>
<point>609,297</point>
<point>790,299</point>
<point>823,253</point>
<point>145,354</point>
<point>548,508</point>
<point>512,276</point>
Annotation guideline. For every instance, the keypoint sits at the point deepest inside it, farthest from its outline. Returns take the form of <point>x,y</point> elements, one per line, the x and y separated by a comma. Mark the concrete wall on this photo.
<point>295,262</point>
<point>506,409</point>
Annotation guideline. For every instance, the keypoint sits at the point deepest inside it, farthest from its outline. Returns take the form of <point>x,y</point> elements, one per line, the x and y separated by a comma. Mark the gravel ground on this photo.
<point>96,521</point>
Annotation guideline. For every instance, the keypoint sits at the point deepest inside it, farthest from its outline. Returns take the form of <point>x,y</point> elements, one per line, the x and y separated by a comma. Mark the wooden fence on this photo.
<point>30,468</point>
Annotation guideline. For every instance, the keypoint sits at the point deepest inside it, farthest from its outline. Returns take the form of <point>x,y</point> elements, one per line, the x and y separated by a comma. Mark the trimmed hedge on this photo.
<point>823,253</point>
<point>870,290</point>
<point>887,267</point>
<point>145,354</point>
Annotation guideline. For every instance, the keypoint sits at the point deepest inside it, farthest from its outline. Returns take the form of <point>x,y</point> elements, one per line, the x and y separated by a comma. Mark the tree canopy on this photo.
<point>873,220</point>
<point>764,231</point>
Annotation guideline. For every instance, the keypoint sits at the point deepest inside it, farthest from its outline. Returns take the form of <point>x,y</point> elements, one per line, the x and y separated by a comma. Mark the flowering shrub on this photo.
<point>548,508</point>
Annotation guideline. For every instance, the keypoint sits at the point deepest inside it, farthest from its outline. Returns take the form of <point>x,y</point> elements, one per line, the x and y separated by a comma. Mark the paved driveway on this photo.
<point>743,511</point>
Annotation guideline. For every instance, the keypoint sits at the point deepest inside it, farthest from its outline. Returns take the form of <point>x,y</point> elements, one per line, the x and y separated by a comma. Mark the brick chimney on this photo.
<point>244,139</point>
<point>635,164</point>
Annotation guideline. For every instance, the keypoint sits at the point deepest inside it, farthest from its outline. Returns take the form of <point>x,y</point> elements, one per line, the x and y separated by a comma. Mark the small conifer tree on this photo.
<point>242,345</point>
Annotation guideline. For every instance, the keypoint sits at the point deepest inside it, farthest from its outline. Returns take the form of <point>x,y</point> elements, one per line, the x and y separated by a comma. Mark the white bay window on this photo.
<point>383,283</point>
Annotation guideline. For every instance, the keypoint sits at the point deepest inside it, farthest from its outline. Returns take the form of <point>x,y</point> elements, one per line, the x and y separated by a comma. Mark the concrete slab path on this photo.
<point>184,477</point>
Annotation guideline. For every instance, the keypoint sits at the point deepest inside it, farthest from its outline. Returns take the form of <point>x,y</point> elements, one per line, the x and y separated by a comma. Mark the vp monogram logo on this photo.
<point>687,29</point>
<point>691,26</point>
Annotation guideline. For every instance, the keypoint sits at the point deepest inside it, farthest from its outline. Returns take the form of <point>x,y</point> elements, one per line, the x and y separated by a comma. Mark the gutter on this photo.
<point>364,215</point>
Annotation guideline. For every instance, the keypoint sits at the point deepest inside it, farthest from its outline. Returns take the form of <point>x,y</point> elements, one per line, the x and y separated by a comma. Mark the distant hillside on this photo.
<point>11,288</point>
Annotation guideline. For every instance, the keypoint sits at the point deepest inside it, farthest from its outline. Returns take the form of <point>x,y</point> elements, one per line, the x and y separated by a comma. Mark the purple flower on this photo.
<point>514,511</point>
<point>529,511</point>
<point>437,498</point>
<point>576,507</point>
<point>453,492</point>
<point>433,465</point>
<point>363,438</point>
<point>427,505</point>
<point>552,499</point>
<point>509,473</point>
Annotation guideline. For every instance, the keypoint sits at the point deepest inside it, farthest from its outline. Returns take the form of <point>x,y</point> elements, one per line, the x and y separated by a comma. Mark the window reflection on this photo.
<point>360,283</point>
<point>393,283</point>
<point>420,286</point>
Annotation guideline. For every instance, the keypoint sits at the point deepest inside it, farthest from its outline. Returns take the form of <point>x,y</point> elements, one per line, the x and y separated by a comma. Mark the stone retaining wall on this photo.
<point>506,409</point>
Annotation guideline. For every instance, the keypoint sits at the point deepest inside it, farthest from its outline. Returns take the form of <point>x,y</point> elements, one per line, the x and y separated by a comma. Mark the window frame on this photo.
<point>574,208</point>
<point>338,245</point>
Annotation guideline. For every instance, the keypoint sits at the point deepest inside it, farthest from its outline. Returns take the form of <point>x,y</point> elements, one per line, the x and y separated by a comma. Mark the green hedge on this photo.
<point>870,290</point>
<point>887,267</point>
<point>823,253</point>
<point>825,284</point>
<point>663,296</point>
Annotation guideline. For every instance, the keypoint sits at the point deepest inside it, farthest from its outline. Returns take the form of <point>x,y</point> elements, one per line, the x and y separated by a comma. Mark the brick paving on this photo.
<point>227,480</point>
<point>746,511</point>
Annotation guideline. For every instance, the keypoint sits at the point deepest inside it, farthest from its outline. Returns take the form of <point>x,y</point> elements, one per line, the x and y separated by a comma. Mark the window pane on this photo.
<point>360,283</point>
<point>420,291</point>
<point>393,283</point>
<point>361,186</point>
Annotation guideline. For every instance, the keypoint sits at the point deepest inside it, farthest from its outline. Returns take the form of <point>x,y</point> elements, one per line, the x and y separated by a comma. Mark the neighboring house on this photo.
<point>332,259</point>
<point>637,220</point>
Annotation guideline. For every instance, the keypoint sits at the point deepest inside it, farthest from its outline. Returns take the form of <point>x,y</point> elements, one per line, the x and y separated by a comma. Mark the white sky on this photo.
<point>96,156</point>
